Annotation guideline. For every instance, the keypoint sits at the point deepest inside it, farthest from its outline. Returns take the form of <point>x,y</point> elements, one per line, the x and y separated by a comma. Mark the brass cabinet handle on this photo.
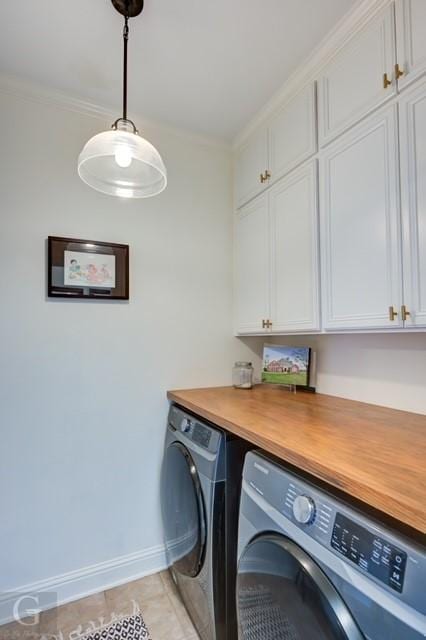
<point>392,314</point>
<point>266,324</point>
<point>398,71</point>
<point>404,312</point>
<point>263,324</point>
<point>386,81</point>
<point>264,177</point>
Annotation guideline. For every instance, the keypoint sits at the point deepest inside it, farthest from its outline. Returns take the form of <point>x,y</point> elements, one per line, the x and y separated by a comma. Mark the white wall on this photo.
<point>83,384</point>
<point>384,369</point>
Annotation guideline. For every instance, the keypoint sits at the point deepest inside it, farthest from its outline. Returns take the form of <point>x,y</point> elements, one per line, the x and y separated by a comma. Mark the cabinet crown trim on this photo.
<point>310,68</point>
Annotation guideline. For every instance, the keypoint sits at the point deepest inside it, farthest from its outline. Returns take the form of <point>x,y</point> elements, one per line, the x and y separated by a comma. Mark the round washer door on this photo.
<point>183,511</point>
<point>282,594</point>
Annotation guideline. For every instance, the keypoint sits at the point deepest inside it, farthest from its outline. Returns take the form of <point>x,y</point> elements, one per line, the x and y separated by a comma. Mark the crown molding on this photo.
<point>27,90</point>
<point>347,27</point>
<point>310,68</point>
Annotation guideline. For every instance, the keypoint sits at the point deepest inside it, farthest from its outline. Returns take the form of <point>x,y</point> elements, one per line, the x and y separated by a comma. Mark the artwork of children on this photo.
<point>286,365</point>
<point>89,269</point>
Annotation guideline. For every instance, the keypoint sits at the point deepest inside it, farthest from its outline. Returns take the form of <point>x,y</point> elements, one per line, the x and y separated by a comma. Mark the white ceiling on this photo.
<point>200,65</point>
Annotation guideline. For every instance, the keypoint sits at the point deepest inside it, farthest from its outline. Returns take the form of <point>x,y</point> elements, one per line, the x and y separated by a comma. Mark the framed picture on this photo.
<point>286,365</point>
<point>87,269</point>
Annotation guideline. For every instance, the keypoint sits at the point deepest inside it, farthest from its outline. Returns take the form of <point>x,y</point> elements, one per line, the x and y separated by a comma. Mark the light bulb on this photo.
<point>124,193</point>
<point>123,156</point>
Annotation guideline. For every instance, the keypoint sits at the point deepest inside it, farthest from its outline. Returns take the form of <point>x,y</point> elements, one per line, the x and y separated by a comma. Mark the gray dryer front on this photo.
<point>200,490</point>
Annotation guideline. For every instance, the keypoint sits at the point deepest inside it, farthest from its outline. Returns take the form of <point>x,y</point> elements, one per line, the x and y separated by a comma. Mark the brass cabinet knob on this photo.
<point>405,314</point>
<point>386,81</point>
<point>392,314</point>
<point>398,71</point>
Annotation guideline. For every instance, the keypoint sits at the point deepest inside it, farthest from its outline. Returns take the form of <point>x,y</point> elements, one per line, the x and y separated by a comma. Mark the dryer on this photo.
<point>200,490</point>
<point>311,567</point>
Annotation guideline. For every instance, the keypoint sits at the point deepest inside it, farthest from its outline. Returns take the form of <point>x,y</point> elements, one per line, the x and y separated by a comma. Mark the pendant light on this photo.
<point>119,162</point>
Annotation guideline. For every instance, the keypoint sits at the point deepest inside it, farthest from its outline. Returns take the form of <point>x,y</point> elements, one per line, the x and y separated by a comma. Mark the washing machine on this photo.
<point>311,567</point>
<point>200,491</point>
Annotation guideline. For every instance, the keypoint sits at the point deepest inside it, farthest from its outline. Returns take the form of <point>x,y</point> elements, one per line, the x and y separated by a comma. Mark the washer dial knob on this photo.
<point>185,426</point>
<point>304,509</point>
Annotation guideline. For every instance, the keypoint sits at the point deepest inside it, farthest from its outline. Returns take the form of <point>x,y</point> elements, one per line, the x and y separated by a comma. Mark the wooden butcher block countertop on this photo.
<point>374,454</point>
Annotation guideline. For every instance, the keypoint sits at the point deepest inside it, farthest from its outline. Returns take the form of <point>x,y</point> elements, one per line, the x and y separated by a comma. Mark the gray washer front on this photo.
<point>338,576</point>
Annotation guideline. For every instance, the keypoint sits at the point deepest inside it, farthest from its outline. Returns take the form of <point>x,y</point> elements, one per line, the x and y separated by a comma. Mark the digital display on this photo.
<point>369,552</point>
<point>201,435</point>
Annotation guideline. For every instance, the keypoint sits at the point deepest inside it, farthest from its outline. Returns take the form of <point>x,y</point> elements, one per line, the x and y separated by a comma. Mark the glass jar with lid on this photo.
<point>242,375</point>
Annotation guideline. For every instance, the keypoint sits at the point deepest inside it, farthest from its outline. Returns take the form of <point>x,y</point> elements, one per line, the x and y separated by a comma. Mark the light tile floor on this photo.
<point>156,595</point>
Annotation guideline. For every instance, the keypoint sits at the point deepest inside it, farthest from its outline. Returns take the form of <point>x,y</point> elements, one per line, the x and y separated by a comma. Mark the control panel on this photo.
<point>199,433</point>
<point>370,552</point>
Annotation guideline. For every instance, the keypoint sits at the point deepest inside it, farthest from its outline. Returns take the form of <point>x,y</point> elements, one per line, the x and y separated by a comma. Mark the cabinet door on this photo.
<point>360,226</point>
<point>251,161</point>
<point>292,133</point>
<point>294,252</point>
<point>411,38</point>
<point>352,83</point>
<point>252,266</point>
<point>413,192</point>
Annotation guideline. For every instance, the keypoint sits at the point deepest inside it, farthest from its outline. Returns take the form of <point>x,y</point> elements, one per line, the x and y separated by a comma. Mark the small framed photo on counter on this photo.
<point>87,269</point>
<point>285,365</point>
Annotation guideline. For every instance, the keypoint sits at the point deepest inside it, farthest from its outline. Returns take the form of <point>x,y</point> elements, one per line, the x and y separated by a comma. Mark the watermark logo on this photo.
<point>26,610</point>
<point>22,613</point>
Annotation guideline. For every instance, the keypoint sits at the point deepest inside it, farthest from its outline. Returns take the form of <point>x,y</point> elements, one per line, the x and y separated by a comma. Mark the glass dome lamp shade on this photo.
<point>122,163</point>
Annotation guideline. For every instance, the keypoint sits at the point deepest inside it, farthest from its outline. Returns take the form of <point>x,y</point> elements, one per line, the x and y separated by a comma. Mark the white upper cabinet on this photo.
<point>413,192</point>
<point>294,252</point>
<point>251,162</point>
<point>360,227</point>
<point>411,39</point>
<point>354,82</point>
<point>368,132</point>
<point>292,133</point>
<point>285,141</point>
<point>251,287</point>
<point>276,258</point>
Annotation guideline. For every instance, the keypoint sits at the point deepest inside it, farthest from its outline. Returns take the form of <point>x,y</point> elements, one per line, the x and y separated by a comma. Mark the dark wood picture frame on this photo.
<point>56,287</point>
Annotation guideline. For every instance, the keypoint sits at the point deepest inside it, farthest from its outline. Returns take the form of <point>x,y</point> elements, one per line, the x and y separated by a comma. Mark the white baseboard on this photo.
<point>84,582</point>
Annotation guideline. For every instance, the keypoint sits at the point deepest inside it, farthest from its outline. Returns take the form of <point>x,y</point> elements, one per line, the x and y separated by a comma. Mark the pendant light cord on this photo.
<point>125,41</point>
